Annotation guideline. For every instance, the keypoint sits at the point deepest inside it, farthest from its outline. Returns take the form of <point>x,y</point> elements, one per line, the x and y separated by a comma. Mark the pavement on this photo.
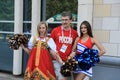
<point>10,76</point>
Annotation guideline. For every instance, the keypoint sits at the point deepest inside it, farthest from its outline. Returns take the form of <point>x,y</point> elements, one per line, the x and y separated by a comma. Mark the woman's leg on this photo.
<point>64,78</point>
<point>80,76</point>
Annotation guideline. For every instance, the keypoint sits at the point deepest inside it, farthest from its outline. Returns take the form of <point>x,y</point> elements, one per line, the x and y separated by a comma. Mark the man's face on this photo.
<point>66,21</point>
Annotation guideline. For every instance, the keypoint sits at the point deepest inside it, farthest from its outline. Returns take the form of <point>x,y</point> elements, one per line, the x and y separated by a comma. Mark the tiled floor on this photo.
<point>10,76</point>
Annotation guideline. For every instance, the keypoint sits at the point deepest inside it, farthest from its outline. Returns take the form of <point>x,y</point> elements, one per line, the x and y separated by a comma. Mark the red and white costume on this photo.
<point>40,65</point>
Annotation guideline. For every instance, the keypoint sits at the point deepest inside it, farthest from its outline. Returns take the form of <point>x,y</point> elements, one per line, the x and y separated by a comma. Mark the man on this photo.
<point>64,37</point>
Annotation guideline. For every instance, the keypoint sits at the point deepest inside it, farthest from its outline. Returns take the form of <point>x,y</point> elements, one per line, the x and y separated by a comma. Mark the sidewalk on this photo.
<point>10,76</point>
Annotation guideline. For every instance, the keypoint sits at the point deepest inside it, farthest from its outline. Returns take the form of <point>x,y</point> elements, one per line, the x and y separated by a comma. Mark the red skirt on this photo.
<point>39,65</point>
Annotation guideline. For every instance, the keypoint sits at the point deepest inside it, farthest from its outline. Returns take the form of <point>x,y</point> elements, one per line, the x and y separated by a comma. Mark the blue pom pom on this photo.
<point>87,59</point>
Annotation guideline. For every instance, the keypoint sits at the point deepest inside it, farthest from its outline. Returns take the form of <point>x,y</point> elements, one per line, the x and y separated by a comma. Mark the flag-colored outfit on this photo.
<point>81,46</point>
<point>39,65</point>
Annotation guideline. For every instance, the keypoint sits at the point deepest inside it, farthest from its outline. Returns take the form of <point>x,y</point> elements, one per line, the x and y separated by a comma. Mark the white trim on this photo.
<point>36,15</point>
<point>6,32</point>
<point>27,21</point>
<point>18,28</point>
<point>5,21</point>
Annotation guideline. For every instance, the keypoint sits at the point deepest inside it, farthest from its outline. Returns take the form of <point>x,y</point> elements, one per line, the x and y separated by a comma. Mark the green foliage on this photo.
<point>6,13</point>
<point>6,9</point>
<point>54,7</point>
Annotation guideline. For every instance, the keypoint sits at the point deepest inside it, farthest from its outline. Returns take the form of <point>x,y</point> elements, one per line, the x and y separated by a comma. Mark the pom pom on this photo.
<point>16,40</point>
<point>87,59</point>
<point>69,66</point>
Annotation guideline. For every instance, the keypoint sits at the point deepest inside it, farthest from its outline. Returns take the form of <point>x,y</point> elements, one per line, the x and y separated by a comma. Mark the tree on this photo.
<point>54,7</point>
<point>6,13</point>
<point>7,10</point>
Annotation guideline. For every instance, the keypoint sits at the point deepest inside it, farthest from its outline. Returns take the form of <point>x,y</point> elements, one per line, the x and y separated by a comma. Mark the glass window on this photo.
<point>27,10</point>
<point>9,27</point>
<point>27,29</point>
<point>6,30</point>
<point>27,17</point>
<point>6,9</point>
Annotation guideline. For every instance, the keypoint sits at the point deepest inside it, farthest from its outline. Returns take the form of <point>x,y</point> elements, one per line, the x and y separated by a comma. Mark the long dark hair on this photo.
<point>88,26</point>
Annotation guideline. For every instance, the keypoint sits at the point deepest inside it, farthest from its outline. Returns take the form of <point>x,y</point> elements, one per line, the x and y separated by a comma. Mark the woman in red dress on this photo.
<point>40,49</point>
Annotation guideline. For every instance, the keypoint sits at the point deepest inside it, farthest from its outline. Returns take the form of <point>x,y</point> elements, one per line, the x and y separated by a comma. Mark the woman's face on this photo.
<point>42,29</point>
<point>83,29</point>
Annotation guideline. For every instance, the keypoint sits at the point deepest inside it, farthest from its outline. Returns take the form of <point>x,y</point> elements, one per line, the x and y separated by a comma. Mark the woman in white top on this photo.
<point>40,47</point>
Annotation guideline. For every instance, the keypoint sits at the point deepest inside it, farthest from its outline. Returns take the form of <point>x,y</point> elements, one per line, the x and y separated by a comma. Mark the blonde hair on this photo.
<point>38,33</point>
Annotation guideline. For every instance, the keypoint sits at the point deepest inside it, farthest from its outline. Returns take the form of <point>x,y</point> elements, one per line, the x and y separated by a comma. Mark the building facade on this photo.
<point>103,15</point>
